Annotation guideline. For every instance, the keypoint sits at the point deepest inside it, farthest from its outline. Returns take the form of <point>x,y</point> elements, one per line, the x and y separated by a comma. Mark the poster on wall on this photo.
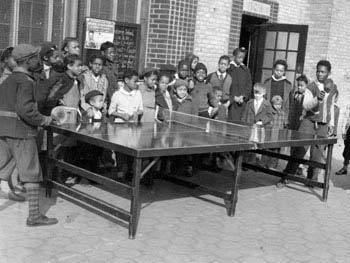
<point>97,32</point>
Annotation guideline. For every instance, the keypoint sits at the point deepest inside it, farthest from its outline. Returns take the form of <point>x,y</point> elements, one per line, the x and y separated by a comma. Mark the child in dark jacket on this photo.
<point>296,99</point>
<point>181,100</point>
<point>258,110</point>
<point>203,92</point>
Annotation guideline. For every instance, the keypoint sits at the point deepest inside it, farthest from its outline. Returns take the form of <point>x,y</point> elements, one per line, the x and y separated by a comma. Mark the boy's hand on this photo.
<point>330,130</point>
<point>227,104</point>
<point>215,110</point>
<point>190,85</point>
<point>125,116</point>
<point>90,112</point>
<point>237,99</point>
<point>259,123</point>
<point>321,95</point>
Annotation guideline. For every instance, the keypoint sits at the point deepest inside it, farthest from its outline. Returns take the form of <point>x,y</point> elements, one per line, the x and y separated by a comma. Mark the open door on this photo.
<point>270,42</point>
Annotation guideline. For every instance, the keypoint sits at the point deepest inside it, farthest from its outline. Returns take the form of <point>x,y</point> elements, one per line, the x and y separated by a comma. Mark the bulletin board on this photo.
<point>127,44</point>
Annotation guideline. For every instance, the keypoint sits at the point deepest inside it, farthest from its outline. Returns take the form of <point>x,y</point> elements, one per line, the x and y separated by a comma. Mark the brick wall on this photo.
<point>171,31</point>
<point>236,20</point>
<point>339,51</point>
<point>212,31</point>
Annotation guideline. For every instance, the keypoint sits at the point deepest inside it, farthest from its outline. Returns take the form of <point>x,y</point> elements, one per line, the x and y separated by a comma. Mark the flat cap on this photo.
<point>47,47</point>
<point>180,82</point>
<point>147,70</point>
<point>92,94</point>
<point>23,51</point>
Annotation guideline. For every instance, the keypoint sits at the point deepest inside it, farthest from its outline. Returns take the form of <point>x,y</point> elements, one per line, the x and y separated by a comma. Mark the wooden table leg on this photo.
<point>327,173</point>
<point>135,199</point>
<point>49,165</point>
<point>234,190</point>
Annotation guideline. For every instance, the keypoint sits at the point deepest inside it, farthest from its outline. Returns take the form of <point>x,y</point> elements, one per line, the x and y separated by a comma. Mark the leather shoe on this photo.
<point>42,221</point>
<point>341,171</point>
<point>15,197</point>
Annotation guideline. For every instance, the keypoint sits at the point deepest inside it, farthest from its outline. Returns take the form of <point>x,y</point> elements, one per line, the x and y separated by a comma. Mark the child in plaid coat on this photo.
<point>279,122</point>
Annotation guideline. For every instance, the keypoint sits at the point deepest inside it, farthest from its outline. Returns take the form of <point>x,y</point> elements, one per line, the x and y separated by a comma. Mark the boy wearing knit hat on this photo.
<point>182,101</point>
<point>21,118</point>
<point>202,92</point>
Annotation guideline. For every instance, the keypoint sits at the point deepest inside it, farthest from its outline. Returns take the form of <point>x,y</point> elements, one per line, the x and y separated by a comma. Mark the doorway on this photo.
<point>248,26</point>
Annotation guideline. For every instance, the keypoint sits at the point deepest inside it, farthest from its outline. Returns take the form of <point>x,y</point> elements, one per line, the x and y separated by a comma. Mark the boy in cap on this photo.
<point>7,62</point>
<point>20,119</point>
<point>202,92</point>
<point>95,99</point>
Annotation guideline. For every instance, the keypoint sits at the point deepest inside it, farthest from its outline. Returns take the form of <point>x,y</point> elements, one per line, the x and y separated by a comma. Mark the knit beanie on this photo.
<point>200,66</point>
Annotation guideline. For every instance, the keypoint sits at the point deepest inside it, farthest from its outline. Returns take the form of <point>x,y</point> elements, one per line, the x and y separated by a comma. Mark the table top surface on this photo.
<point>185,134</point>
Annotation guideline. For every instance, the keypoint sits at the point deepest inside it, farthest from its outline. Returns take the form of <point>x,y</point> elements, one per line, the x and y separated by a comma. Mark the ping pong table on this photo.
<point>178,134</point>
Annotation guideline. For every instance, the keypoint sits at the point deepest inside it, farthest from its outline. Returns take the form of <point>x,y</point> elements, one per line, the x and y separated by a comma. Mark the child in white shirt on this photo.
<point>126,103</point>
<point>126,106</point>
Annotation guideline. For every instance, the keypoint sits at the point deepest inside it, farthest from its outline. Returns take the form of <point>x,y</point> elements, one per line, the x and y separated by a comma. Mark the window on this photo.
<point>127,10</point>
<point>102,9</point>
<point>6,18</point>
<point>30,21</point>
<point>280,45</point>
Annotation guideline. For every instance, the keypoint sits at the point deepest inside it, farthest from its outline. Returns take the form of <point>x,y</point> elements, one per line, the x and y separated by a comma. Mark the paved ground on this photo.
<point>182,225</point>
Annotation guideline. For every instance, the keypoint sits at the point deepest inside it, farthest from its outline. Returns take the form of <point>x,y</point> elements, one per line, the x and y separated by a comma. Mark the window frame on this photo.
<point>14,26</point>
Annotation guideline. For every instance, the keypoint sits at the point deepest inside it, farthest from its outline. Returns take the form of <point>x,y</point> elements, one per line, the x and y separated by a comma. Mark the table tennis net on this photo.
<point>250,133</point>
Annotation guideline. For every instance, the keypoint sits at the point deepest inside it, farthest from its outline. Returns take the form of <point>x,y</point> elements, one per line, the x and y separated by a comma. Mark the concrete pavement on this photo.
<point>183,225</point>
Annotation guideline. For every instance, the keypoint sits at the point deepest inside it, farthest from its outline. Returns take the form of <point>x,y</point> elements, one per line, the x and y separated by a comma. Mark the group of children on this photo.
<point>225,94</point>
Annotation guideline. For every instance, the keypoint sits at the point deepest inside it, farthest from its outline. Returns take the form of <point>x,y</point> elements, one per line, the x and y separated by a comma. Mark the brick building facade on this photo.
<point>172,28</point>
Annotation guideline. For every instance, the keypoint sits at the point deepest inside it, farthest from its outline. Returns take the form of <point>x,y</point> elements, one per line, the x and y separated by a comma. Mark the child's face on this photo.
<point>96,66</point>
<point>322,73</point>
<point>132,82</point>
<point>163,83</point>
<point>73,47</point>
<point>279,71</point>
<point>110,54</point>
<point>200,75</point>
<point>150,81</point>
<point>223,65</point>
<point>218,95</point>
<point>194,63</point>
<point>97,102</point>
<point>239,58</point>
<point>301,86</point>
<point>277,106</point>
<point>183,72</point>
<point>76,68</point>
<point>258,94</point>
<point>181,92</point>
